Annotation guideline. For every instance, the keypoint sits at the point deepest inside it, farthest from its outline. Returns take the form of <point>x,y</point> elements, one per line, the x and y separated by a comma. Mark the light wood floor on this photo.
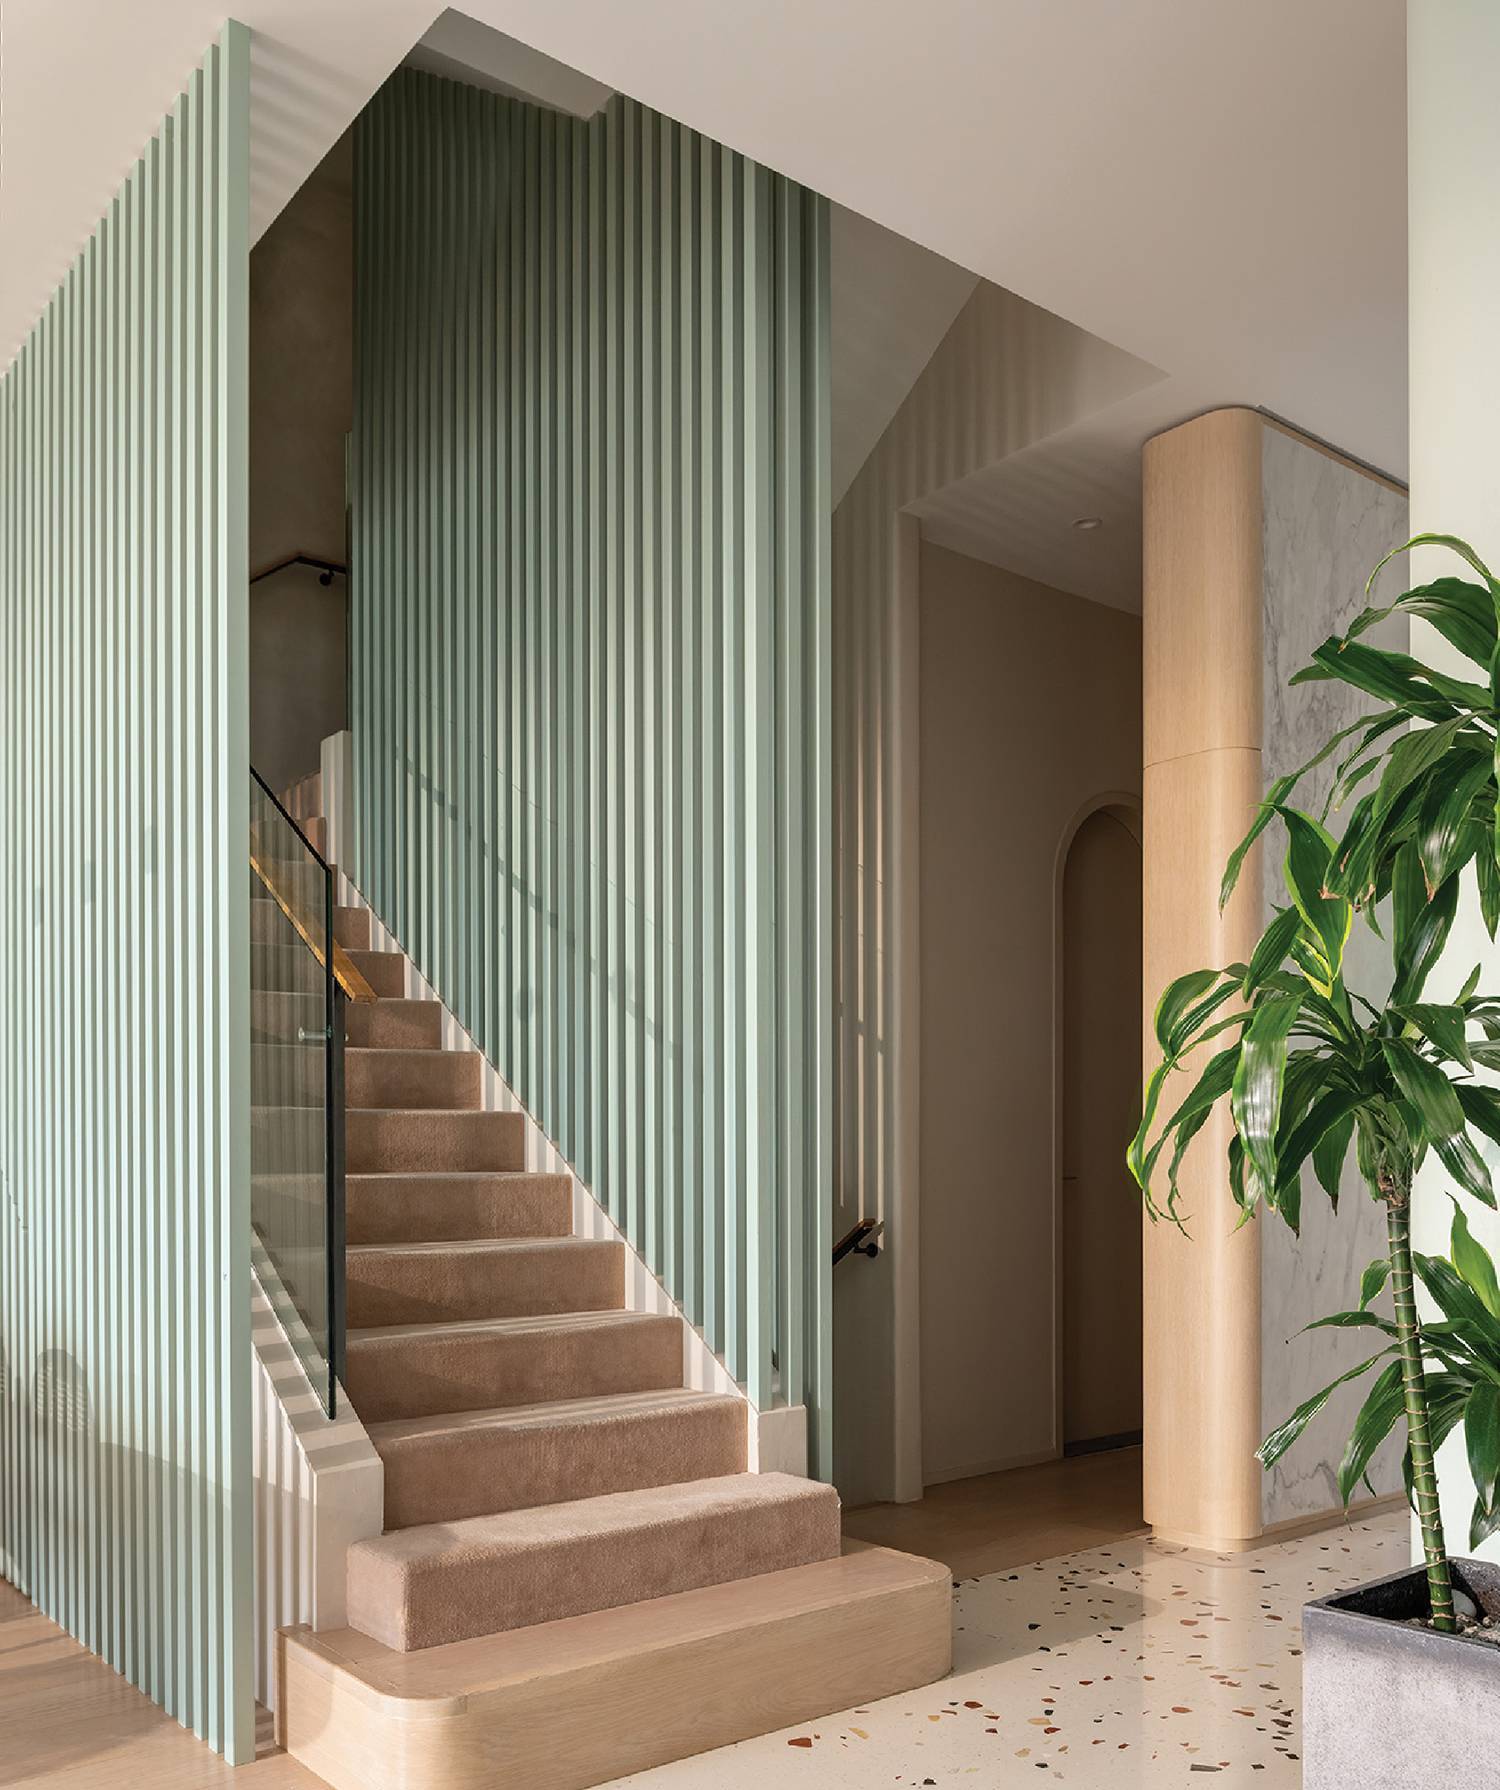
<point>990,1524</point>
<point>67,1719</point>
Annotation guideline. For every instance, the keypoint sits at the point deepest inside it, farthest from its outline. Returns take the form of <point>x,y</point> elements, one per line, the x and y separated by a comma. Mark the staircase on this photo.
<point>561,1512</point>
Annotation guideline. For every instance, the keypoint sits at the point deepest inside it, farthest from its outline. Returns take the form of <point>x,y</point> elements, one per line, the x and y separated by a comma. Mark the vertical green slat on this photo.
<point>588,482</point>
<point>123,723</point>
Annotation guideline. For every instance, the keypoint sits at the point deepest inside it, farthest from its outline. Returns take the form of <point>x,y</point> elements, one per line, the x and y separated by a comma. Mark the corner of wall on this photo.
<point>319,1488</point>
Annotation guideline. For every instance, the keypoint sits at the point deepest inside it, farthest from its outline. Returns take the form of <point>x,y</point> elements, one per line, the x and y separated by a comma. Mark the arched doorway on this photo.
<point>1100,1075</point>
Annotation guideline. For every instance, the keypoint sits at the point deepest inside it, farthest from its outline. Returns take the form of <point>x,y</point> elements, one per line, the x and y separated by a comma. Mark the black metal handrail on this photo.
<point>314,932</point>
<point>864,1239</point>
<point>325,567</point>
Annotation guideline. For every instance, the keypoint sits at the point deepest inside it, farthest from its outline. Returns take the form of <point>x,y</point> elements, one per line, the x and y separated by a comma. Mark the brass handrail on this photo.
<point>345,972</point>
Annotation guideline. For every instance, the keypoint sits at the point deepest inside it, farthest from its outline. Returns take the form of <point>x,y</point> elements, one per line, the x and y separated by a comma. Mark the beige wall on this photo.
<point>301,407</point>
<point>1030,712</point>
<point>1101,1099</point>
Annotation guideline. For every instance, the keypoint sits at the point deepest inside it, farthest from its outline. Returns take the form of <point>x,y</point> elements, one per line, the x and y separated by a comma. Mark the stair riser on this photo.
<point>287,1140</point>
<point>269,924</point>
<point>417,1376</point>
<point>385,971</point>
<point>275,1018</point>
<point>393,1025</point>
<point>418,1209</point>
<point>289,1074</point>
<point>660,1690</point>
<point>417,1078</point>
<point>427,1287</point>
<point>458,1595</point>
<point>304,797</point>
<point>398,1142</point>
<point>351,927</point>
<point>469,1473</point>
<point>289,968</point>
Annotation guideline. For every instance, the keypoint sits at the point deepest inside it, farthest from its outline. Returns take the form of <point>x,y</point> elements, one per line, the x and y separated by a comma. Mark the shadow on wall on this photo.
<point>106,1503</point>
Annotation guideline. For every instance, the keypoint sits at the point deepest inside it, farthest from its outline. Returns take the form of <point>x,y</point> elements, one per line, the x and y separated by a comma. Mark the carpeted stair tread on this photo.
<point>452,1581</point>
<point>419,1283</point>
<point>468,1463</point>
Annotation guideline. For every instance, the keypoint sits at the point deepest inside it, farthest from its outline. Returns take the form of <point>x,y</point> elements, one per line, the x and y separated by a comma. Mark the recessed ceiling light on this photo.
<point>1088,522</point>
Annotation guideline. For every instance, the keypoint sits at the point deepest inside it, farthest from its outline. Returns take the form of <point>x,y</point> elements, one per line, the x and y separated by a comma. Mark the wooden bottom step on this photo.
<point>574,1703</point>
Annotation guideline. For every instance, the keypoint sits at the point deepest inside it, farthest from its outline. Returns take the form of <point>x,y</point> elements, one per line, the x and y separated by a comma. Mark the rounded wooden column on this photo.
<point>1203,654</point>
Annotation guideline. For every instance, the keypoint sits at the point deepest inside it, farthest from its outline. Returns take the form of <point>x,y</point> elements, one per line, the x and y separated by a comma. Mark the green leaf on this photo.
<point>1424,692</point>
<point>1444,838</point>
<point>1282,1437</point>
<point>1271,951</point>
<point>1421,945</point>
<point>1255,1097</point>
<point>1457,545</point>
<point>1373,1280</point>
<point>1459,1156</point>
<point>1353,1320</point>
<point>1426,1087</point>
<point>1382,1410</point>
<point>1488,871</point>
<point>1462,1307</point>
<point>1277,793</point>
<point>1177,999</point>
<point>1442,1027</point>
<point>1329,1154</point>
<point>1481,1106</point>
<point>1413,755</point>
<point>1463,613</point>
<point>1330,1115</point>
<point>1213,1083</point>
<point>1482,1439</point>
<point>1328,917</point>
<point>1474,1264</point>
<point>1482,1524</point>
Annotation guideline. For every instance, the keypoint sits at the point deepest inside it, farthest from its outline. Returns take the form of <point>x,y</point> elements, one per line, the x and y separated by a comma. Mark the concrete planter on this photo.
<point>1389,1707</point>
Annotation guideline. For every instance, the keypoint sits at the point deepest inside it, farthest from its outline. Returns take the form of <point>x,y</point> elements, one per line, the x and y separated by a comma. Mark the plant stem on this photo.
<point>1414,1387</point>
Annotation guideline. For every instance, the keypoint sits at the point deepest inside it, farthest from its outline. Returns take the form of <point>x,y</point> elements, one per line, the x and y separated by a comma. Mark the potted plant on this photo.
<point>1312,1069</point>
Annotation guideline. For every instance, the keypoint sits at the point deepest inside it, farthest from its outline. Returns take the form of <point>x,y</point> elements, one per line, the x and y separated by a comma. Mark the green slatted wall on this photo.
<point>591,665</point>
<point>125,1490</point>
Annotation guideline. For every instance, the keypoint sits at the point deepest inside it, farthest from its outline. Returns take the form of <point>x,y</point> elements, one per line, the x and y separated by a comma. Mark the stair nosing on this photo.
<point>449,1174</point>
<point>482,1245</point>
<point>597,1407</point>
<point>448,1536</point>
<point>574,1320</point>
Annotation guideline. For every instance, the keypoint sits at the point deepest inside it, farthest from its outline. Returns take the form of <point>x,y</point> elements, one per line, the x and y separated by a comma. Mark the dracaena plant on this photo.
<point>1311,1069</point>
<point>1461,1360</point>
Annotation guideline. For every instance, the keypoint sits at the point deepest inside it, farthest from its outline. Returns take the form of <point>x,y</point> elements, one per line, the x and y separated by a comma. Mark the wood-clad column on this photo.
<point>1203,653</point>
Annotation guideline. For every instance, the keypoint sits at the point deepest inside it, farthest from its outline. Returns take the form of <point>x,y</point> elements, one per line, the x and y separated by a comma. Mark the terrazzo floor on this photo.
<point>1124,1665</point>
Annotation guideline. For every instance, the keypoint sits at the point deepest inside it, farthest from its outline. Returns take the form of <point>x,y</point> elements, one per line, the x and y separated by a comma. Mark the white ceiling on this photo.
<point>1217,188</point>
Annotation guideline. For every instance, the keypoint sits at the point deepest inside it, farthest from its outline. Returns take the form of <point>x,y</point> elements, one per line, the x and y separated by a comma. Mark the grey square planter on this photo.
<point>1387,1707</point>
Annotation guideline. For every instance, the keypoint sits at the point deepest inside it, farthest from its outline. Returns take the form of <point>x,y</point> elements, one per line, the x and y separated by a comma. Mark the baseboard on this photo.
<point>1290,1529</point>
<point>1004,1464</point>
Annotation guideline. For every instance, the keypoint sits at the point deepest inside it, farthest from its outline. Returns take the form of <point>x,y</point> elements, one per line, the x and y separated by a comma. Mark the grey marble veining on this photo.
<point>1324,526</point>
